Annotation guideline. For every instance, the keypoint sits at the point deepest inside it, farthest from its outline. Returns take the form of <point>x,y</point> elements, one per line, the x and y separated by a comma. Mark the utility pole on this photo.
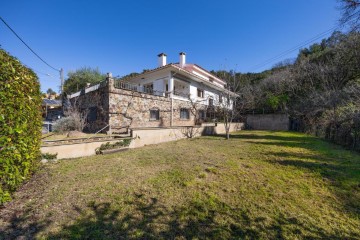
<point>62,80</point>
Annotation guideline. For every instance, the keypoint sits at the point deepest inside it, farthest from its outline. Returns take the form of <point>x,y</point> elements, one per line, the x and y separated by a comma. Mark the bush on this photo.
<point>108,145</point>
<point>66,124</point>
<point>49,156</point>
<point>75,120</point>
<point>20,124</point>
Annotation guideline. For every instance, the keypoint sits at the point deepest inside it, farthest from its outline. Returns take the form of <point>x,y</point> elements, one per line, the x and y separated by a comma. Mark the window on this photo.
<point>211,102</point>
<point>184,113</point>
<point>149,88</point>
<point>201,114</point>
<point>200,93</point>
<point>220,99</point>
<point>154,114</point>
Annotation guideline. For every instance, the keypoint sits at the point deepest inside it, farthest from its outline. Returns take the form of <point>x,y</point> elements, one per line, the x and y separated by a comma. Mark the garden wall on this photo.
<point>147,136</point>
<point>273,122</point>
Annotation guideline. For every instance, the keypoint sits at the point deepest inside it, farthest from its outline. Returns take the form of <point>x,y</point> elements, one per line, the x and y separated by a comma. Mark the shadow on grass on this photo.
<point>24,226</point>
<point>255,136</point>
<point>340,166</point>
<point>204,218</point>
<point>344,175</point>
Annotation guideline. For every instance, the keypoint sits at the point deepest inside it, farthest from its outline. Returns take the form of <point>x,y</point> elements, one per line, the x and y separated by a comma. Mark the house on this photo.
<point>51,109</point>
<point>171,95</point>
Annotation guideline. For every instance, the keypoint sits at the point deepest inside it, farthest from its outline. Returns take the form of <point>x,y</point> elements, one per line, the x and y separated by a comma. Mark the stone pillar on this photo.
<point>110,81</point>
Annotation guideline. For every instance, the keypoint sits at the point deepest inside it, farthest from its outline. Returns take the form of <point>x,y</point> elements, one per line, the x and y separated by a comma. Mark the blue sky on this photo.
<point>125,36</point>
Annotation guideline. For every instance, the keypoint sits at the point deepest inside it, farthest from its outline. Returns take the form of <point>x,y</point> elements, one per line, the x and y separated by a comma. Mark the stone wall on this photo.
<point>123,109</point>
<point>274,122</point>
<point>132,109</point>
<point>96,105</point>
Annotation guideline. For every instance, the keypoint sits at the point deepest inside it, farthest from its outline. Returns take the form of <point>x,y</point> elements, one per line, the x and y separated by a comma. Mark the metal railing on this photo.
<point>148,90</point>
<point>181,94</point>
<point>142,89</point>
<point>124,85</point>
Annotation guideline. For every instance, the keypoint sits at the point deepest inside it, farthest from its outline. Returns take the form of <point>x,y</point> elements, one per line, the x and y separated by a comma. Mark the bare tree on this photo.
<point>228,105</point>
<point>75,119</point>
<point>350,10</point>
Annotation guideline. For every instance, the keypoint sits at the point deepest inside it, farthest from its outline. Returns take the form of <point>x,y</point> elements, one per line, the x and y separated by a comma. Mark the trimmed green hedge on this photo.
<point>20,124</point>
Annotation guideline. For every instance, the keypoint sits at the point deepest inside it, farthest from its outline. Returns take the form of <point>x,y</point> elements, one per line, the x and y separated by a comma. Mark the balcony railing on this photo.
<point>128,86</point>
<point>181,94</point>
<point>142,89</point>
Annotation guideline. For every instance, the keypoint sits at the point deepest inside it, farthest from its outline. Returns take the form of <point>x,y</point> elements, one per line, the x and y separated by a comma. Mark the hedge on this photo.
<point>20,124</point>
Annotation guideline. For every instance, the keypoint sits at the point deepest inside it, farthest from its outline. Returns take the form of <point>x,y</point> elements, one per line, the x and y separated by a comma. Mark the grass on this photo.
<point>257,185</point>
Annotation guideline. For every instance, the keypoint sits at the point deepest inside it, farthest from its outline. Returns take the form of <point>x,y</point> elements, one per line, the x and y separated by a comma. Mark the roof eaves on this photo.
<point>151,71</point>
<point>209,72</point>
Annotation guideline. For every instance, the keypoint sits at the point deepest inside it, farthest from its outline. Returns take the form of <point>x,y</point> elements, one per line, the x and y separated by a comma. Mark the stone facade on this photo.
<point>122,109</point>
<point>96,105</point>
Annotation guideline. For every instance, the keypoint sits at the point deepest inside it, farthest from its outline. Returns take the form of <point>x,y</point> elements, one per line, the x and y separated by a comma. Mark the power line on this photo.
<point>28,45</point>
<point>45,74</point>
<point>303,44</point>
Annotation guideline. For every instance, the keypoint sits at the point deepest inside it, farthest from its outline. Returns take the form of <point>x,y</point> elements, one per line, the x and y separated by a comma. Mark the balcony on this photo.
<point>135,88</point>
<point>181,94</point>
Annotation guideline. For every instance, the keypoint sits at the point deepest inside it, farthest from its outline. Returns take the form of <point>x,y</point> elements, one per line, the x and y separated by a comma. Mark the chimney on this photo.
<point>162,59</point>
<point>182,59</point>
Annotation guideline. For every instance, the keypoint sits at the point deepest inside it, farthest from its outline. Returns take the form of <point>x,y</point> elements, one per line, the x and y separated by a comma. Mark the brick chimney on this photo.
<point>161,59</point>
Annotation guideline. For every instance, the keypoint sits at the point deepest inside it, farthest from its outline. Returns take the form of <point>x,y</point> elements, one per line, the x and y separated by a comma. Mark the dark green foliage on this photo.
<point>78,79</point>
<point>108,145</point>
<point>50,91</point>
<point>20,124</point>
<point>129,76</point>
<point>49,156</point>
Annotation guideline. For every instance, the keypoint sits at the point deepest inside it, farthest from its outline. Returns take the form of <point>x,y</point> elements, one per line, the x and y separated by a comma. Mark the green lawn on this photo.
<point>257,185</point>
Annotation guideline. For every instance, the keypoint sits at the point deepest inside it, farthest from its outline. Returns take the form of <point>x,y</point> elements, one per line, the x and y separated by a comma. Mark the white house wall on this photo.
<point>160,79</point>
<point>159,86</point>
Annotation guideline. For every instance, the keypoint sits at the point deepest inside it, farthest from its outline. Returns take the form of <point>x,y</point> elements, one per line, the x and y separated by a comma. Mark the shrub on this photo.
<point>74,120</point>
<point>66,124</point>
<point>108,145</point>
<point>20,124</point>
<point>49,156</point>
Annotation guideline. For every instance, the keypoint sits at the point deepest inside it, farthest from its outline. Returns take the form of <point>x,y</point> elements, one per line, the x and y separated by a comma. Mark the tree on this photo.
<point>50,91</point>
<point>226,107</point>
<point>78,79</point>
<point>75,119</point>
<point>350,10</point>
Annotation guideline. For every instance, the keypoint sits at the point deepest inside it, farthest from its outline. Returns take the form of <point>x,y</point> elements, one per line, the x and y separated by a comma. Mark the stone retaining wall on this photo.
<point>141,137</point>
<point>274,122</point>
<point>147,136</point>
